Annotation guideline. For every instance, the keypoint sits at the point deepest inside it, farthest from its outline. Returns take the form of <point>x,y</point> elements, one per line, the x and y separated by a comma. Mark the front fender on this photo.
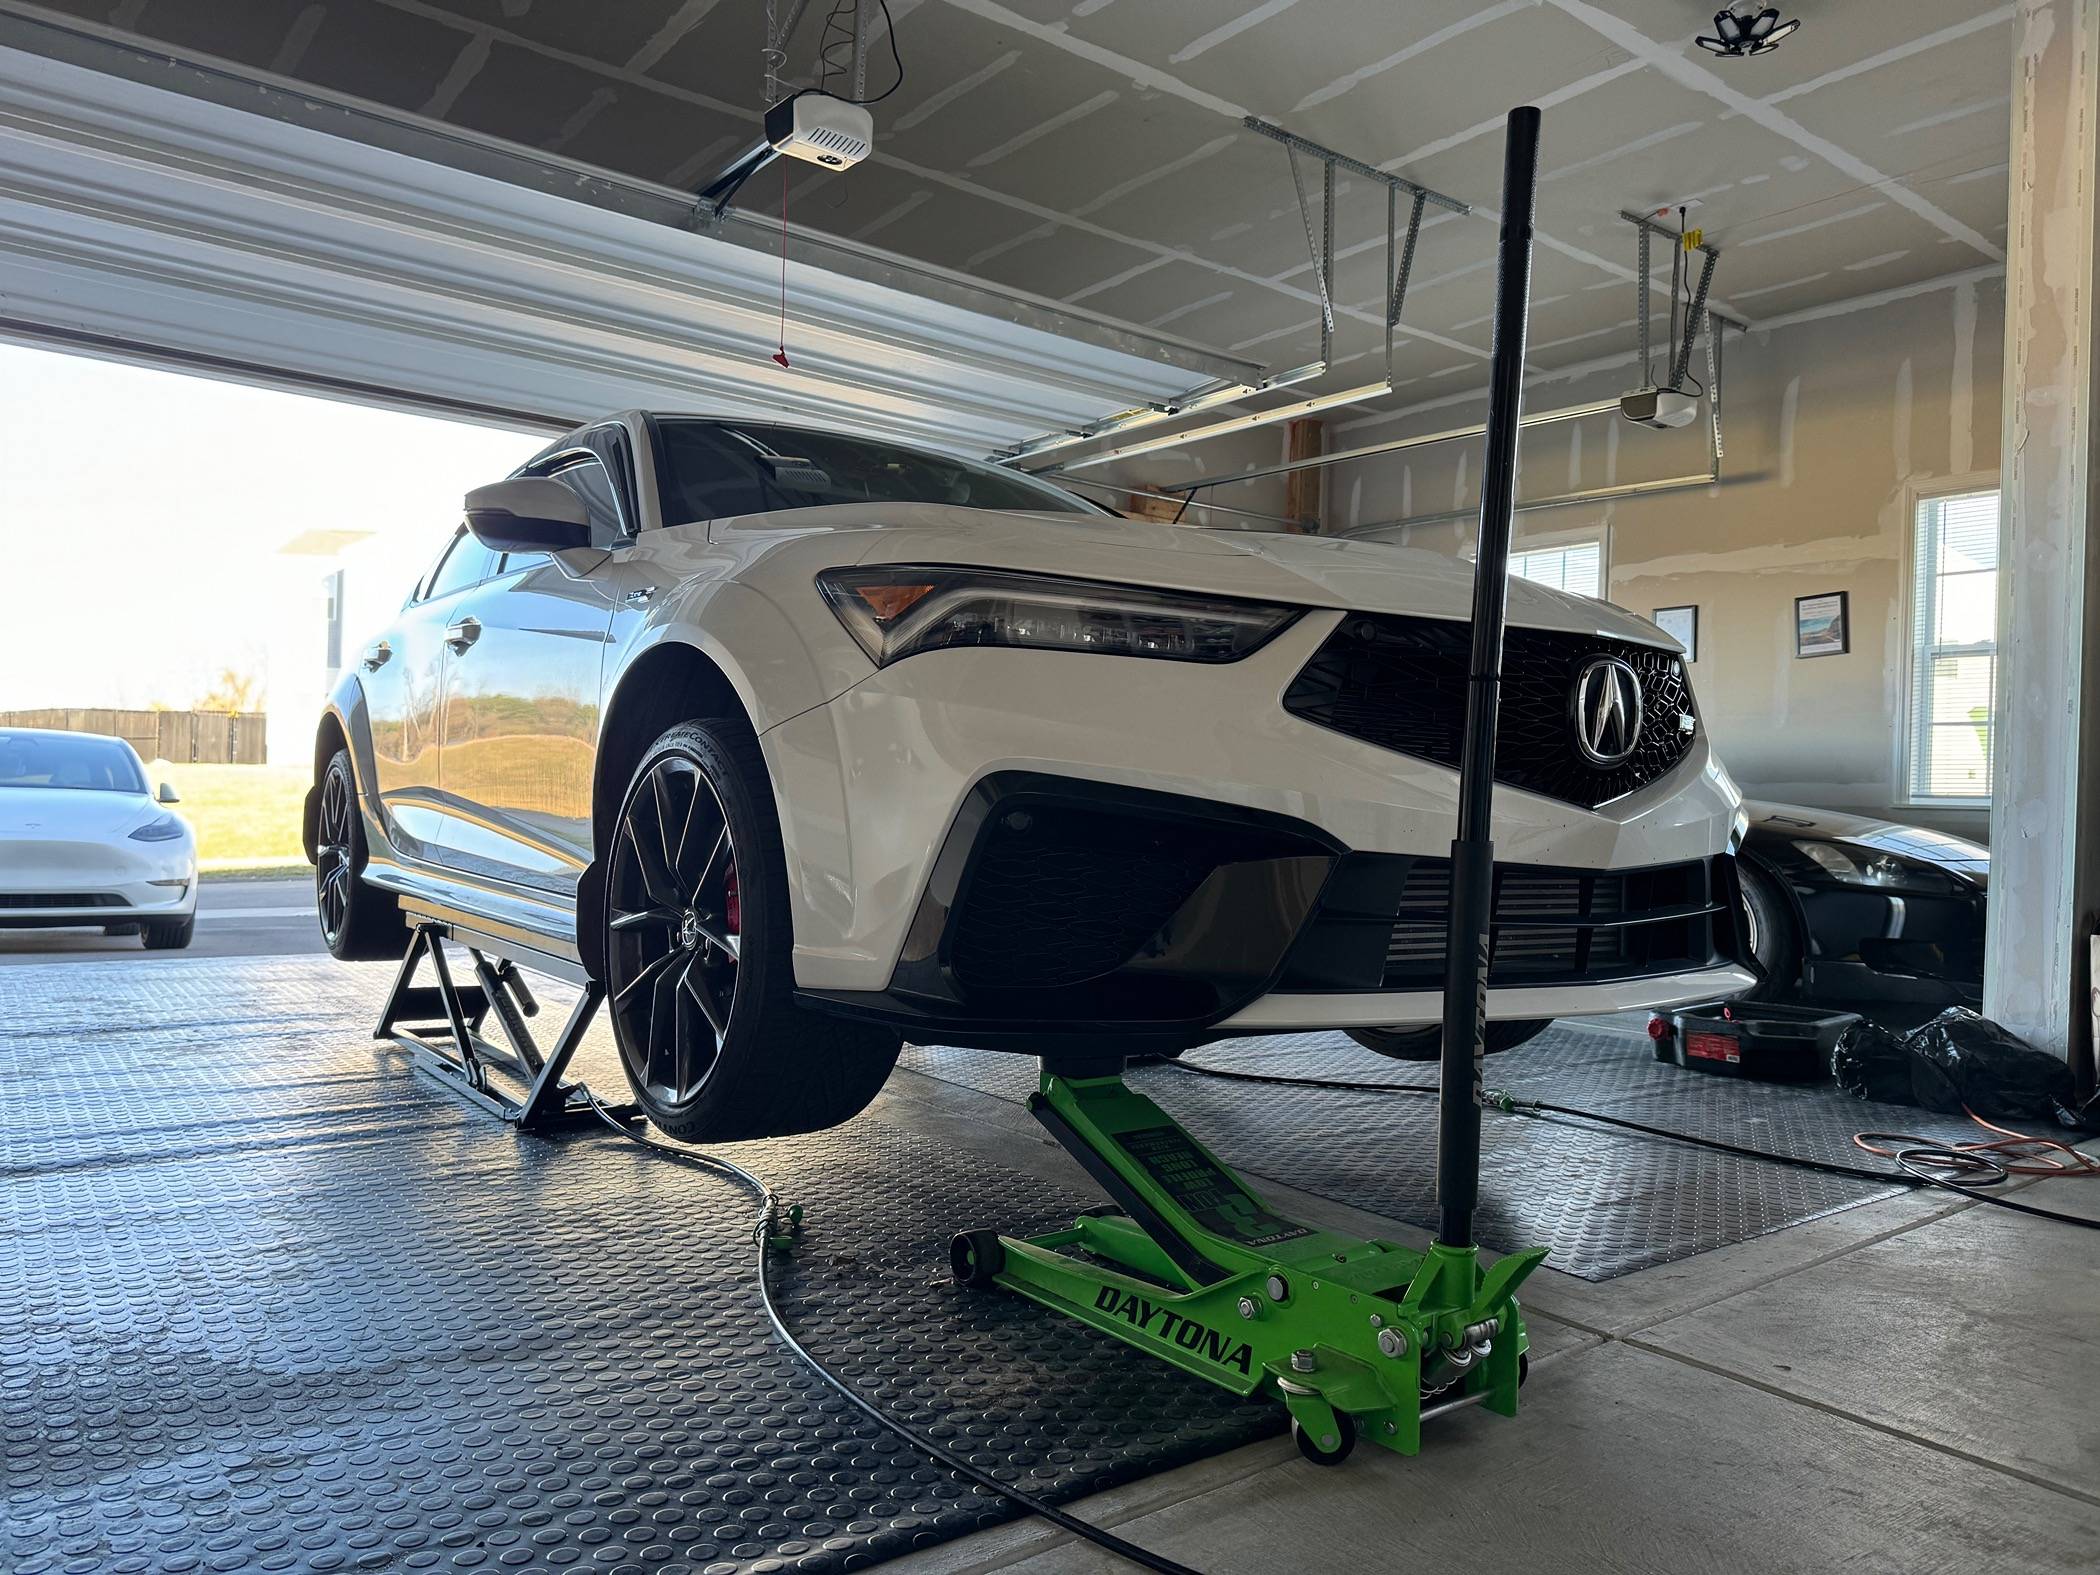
<point>780,664</point>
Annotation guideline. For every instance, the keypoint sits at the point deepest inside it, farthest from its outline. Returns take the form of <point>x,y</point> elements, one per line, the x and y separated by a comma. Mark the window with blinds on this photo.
<point>1954,645</point>
<point>1577,567</point>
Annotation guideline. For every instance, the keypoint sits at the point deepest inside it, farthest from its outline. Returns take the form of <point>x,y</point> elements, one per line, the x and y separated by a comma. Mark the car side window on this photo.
<point>705,478</point>
<point>468,563</point>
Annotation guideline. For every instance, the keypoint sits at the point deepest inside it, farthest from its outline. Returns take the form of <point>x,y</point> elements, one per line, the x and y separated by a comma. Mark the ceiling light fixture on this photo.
<point>1740,34</point>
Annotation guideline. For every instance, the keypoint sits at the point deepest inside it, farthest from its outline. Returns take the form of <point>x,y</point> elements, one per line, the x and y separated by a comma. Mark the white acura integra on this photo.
<point>802,743</point>
<point>85,844</point>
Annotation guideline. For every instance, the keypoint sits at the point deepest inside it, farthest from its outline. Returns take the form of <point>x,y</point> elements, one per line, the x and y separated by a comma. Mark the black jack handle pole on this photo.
<point>1473,850</point>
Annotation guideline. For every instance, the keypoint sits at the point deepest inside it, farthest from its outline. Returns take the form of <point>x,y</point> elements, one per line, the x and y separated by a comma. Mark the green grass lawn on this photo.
<point>246,817</point>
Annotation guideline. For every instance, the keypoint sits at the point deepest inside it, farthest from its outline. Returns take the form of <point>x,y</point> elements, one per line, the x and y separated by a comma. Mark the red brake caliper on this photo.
<point>733,904</point>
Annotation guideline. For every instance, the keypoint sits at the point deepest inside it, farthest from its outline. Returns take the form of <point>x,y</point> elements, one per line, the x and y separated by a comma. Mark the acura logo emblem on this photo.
<point>1606,710</point>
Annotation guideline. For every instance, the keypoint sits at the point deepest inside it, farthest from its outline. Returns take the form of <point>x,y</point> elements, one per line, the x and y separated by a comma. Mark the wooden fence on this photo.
<point>215,737</point>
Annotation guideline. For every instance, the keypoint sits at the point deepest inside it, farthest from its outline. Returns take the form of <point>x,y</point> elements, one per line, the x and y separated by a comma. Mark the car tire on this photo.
<point>359,923</point>
<point>698,954</point>
<point>1427,1044</point>
<point>1773,933</point>
<point>168,935</point>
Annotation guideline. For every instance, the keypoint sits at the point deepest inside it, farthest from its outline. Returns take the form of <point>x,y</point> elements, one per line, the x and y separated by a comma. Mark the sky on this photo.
<point>141,513</point>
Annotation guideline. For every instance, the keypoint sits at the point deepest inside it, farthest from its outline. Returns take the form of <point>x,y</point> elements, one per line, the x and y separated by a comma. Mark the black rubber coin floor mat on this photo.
<point>270,1302</point>
<point>1605,1201</point>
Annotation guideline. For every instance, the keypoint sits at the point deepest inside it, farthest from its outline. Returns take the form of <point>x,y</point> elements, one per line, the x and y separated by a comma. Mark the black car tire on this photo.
<point>736,1057</point>
<point>1775,937</point>
<point>359,923</point>
<point>1427,1044</point>
<point>168,935</point>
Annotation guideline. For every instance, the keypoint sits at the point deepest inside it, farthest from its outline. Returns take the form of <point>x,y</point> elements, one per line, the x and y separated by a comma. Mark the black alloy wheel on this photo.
<point>673,912</point>
<point>333,875</point>
<point>359,922</point>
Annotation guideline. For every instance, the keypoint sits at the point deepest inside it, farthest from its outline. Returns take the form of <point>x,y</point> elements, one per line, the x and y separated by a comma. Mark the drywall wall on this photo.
<point>1832,426</point>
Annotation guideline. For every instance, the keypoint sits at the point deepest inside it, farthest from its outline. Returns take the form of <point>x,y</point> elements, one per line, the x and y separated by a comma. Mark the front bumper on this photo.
<point>53,885</point>
<point>873,786</point>
<point>1060,911</point>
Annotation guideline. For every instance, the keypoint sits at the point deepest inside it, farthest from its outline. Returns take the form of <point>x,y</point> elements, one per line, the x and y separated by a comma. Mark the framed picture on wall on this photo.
<point>1682,625</point>
<point>1823,624</point>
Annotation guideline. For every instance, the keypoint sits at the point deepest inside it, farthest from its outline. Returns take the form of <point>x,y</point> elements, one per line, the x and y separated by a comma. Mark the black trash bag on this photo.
<point>1962,1060</point>
<point>1869,1062</point>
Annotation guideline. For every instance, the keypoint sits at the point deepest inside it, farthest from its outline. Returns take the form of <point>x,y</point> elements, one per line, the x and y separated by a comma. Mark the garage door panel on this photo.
<point>134,212</point>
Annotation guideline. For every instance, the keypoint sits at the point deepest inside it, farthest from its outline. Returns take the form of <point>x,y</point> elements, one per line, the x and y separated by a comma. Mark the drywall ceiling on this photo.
<point>1090,150</point>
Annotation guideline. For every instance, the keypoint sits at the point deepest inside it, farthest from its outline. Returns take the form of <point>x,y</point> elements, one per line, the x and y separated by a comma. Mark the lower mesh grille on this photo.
<point>62,899</point>
<point>1554,926</point>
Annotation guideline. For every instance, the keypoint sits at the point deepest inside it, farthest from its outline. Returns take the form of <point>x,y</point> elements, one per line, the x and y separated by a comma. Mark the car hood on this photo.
<point>72,813</point>
<point>1926,846</point>
<point>1306,571</point>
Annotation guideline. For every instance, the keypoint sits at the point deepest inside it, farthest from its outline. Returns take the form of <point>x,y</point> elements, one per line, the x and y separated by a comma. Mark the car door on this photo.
<point>403,675</point>
<point>522,691</point>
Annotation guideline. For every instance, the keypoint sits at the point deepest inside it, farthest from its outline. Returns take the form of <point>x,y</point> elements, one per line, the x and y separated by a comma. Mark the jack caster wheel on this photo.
<point>1330,1450</point>
<point>976,1256</point>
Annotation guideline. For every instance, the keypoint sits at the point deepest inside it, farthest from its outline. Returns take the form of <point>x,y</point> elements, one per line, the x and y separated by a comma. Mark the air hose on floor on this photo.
<point>773,1230</point>
<point>1925,1162</point>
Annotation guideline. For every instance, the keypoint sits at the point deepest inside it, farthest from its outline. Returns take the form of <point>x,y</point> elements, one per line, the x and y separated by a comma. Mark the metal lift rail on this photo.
<point>440,1024</point>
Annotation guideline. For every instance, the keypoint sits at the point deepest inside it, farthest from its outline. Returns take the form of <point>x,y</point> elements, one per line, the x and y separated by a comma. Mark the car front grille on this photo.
<point>1400,683</point>
<point>62,899</point>
<point>1563,926</point>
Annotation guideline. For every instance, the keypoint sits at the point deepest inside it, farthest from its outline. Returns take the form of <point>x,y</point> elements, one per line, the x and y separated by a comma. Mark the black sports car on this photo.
<point>1863,913</point>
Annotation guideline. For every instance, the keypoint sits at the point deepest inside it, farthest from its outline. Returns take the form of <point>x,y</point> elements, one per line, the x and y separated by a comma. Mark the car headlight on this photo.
<point>161,828</point>
<point>898,612</point>
<point>1873,868</point>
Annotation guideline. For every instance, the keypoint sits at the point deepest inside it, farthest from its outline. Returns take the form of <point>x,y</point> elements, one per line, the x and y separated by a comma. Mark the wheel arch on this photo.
<point>329,737</point>
<point>670,682</point>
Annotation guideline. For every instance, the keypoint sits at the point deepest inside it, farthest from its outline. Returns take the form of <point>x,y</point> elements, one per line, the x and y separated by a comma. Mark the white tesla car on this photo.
<point>802,743</point>
<point>85,843</point>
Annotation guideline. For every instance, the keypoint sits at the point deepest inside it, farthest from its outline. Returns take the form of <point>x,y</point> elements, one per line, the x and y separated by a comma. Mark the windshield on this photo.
<point>711,470</point>
<point>69,760</point>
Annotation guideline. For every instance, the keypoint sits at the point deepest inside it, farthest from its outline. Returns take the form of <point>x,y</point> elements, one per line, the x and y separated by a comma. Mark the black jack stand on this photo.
<point>440,1024</point>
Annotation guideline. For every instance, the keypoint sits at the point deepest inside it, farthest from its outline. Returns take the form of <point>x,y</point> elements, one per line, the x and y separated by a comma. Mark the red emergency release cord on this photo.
<point>781,355</point>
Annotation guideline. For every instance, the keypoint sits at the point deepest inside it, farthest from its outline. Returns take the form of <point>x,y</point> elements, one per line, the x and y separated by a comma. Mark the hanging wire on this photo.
<point>844,35</point>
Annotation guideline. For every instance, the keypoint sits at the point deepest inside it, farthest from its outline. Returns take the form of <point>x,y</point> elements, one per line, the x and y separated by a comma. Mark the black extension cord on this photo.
<point>763,1233</point>
<point>1918,1162</point>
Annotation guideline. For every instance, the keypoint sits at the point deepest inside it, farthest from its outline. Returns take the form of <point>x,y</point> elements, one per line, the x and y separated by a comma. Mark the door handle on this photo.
<point>377,655</point>
<point>462,634</point>
<point>639,596</point>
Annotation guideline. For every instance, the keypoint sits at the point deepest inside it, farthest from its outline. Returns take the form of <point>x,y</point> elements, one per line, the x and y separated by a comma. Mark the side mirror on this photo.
<point>167,794</point>
<point>528,514</point>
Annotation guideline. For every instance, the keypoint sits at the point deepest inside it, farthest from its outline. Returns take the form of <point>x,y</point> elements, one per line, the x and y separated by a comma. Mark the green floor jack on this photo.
<point>1356,1338</point>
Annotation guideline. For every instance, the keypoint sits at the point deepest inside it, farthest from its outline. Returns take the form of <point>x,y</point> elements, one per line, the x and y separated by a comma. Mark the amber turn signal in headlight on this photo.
<point>900,611</point>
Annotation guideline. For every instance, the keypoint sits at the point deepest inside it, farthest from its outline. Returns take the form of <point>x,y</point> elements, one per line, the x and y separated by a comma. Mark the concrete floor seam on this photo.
<point>1887,1429</point>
